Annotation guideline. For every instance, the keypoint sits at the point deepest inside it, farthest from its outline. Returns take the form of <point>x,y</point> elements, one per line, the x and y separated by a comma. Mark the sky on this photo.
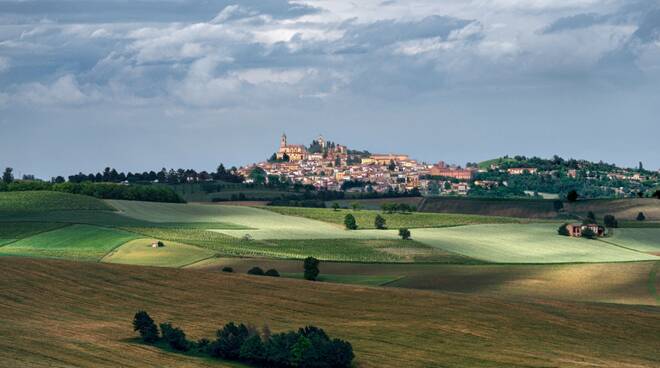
<point>144,84</point>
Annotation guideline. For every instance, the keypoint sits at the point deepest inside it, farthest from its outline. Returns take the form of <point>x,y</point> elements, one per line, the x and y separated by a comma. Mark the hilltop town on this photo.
<point>326,165</point>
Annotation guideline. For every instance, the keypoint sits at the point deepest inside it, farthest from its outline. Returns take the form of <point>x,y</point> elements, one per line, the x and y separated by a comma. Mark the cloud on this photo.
<point>572,22</point>
<point>4,64</point>
<point>63,91</point>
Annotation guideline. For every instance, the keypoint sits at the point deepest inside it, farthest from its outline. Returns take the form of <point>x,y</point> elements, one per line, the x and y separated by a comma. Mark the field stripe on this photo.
<point>651,282</point>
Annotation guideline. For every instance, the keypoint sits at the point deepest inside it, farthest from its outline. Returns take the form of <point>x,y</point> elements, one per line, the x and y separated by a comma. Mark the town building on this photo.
<point>576,230</point>
<point>456,172</point>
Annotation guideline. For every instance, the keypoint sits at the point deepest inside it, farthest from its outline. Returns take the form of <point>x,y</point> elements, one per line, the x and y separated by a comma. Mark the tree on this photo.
<point>610,221</point>
<point>145,325</point>
<point>656,194</point>
<point>562,230</point>
<point>311,266</point>
<point>588,233</point>
<point>379,222</point>
<point>404,233</point>
<point>272,273</point>
<point>230,340</point>
<point>175,337</point>
<point>391,166</point>
<point>349,222</point>
<point>558,205</point>
<point>299,352</point>
<point>227,269</point>
<point>7,176</point>
<point>256,271</point>
<point>253,350</point>
<point>641,217</point>
<point>591,216</point>
<point>572,196</point>
<point>335,206</point>
<point>355,206</point>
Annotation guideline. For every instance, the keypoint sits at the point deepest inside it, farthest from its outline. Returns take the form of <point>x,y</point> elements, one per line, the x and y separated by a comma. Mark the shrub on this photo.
<point>272,273</point>
<point>656,194</point>
<point>311,266</point>
<point>278,349</point>
<point>610,221</point>
<point>256,271</point>
<point>160,244</point>
<point>572,196</point>
<point>379,222</point>
<point>145,325</point>
<point>253,350</point>
<point>591,216</point>
<point>640,216</point>
<point>404,233</point>
<point>335,206</point>
<point>230,340</point>
<point>562,230</point>
<point>588,233</point>
<point>349,222</point>
<point>227,269</point>
<point>175,337</point>
<point>558,205</point>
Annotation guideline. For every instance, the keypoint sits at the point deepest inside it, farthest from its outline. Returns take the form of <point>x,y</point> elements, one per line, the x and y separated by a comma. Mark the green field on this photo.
<point>532,243</point>
<point>77,242</point>
<point>11,231</point>
<point>173,254</point>
<point>43,201</point>
<point>641,239</point>
<point>365,218</point>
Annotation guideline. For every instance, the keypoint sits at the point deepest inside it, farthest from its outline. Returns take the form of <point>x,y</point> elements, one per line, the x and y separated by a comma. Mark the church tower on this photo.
<point>283,141</point>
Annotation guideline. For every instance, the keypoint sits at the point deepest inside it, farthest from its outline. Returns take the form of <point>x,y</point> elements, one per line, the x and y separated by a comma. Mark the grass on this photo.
<point>641,239</point>
<point>532,243</point>
<point>365,218</point>
<point>17,230</point>
<point>83,313</point>
<point>77,242</point>
<point>173,254</point>
<point>624,282</point>
<point>43,201</point>
<point>369,280</point>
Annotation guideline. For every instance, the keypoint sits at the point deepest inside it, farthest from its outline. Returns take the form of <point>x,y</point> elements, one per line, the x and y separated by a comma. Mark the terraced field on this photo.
<point>77,242</point>
<point>532,243</point>
<point>365,218</point>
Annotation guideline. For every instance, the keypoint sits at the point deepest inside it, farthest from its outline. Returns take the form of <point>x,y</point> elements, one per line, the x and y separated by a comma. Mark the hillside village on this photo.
<point>326,165</point>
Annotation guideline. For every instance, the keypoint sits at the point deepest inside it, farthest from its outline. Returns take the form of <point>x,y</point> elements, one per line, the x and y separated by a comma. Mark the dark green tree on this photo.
<point>404,233</point>
<point>227,269</point>
<point>335,206</point>
<point>253,350</point>
<point>349,222</point>
<point>591,216</point>
<point>640,216</point>
<point>8,176</point>
<point>230,340</point>
<point>256,271</point>
<point>272,273</point>
<point>588,233</point>
<point>610,221</point>
<point>572,196</point>
<point>379,222</point>
<point>562,230</point>
<point>311,267</point>
<point>175,337</point>
<point>145,325</point>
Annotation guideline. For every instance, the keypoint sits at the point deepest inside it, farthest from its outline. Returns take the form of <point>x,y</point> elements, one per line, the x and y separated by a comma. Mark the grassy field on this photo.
<point>376,203</point>
<point>626,283</point>
<point>43,201</point>
<point>64,314</point>
<point>77,242</point>
<point>365,218</point>
<point>173,254</point>
<point>532,243</point>
<point>623,209</point>
<point>641,239</point>
<point>11,231</point>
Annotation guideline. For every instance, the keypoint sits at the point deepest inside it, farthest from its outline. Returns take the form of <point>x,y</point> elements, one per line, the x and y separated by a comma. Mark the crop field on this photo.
<point>532,243</point>
<point>173,254</point>
<point>376,203</point>
<point>77,242</point>
<point>42,201</point>
<point>641,239</point>
<point>11,231</point>
<point>83,313</point>
<point>365,218</point>
<point>624,282</point>
<point>623,209</point>
<point>521,208</point>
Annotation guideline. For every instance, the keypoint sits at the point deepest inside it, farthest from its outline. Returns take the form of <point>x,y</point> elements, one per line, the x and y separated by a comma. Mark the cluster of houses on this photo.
<point>332,165</point>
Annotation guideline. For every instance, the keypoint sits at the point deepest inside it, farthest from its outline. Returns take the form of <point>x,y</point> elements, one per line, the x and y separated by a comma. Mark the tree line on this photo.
<point>171,176</point>
<point>309,346</point>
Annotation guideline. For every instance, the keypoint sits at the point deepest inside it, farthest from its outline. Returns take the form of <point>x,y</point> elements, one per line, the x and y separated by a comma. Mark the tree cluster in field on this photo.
<point>171,176</point>
<point>149,193</point>
<point>308,347</point>
<point>258,271</point>
<point>397,207</point>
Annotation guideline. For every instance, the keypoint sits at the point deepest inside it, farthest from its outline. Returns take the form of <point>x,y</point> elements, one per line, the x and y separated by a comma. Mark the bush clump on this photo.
<point>272,273</point>
<point>256,271</point>
<point>310,346</point>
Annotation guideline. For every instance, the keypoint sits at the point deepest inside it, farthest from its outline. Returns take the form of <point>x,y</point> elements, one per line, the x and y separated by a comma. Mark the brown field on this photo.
<point>63,314</point>
<point>623,209</point>
<point>625,283</point>
<point>536,209</point>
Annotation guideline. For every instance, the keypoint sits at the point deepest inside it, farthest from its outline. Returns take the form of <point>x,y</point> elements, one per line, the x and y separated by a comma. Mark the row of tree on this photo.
<point>111,175</point>
<point>308,347</point>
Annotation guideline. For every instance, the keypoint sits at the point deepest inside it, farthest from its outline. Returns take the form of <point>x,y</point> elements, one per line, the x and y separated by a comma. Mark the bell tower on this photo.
<point>283,141</point>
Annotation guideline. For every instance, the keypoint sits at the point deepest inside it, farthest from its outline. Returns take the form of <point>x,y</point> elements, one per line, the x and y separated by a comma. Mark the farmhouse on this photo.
<point>441,169</point>
<point>577,229</point>
<point>522,170</point>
